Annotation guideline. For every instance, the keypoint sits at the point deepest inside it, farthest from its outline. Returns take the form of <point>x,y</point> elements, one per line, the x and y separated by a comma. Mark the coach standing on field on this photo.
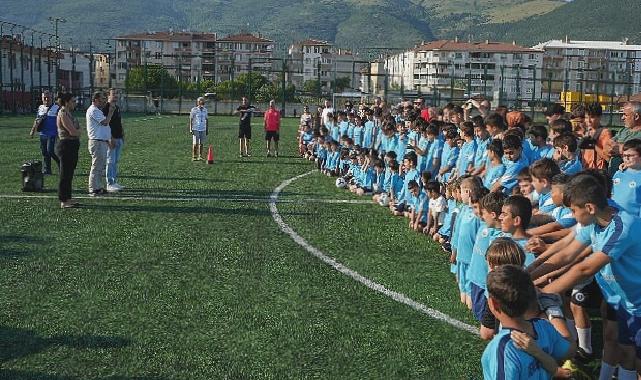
<point>99,134</point>
<point>245,127</point>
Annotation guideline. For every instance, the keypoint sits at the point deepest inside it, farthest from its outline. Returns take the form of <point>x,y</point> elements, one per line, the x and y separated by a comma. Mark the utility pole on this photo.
<point>56,21</point>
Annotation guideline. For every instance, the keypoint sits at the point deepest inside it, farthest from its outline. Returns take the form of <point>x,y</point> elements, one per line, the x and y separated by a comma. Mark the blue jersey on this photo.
<point>529,256</point>
<point>434,153</point>
<point>492,174</point>
<point>380,181</point>
<point>546,206</point>
<point>396,185</point>
<point>467,227</point>
<point>401,147</point>
<point>546,151</point>
<point>343,127</point>
<point>570,167</point>
<point>563,215</point>
<point>465,157</point>
<point>478,265</point>
<point>368,134</point>
<point>367,178</point>
<point>308,136</point>
<point>390,146</point>
<point>333,159</point>
<point>357,135</point>
<point>512,169</point>
<point>424,145</point>
<point>480,156</point>
<point>502,359</point>
<point>387,181</point>
<point>620,240</point>
<point>350,130</point>
<point>334,131</point>
<point>321,153</point>
<point>626,190</point>
<point>411,174</point>
<point>420,204</point>
<point>446,229</point>
<point>526,151</point>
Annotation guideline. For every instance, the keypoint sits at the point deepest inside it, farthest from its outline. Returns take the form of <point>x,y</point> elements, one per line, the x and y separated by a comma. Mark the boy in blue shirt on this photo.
<point>483,139</point>
<point>465,161</point>
<point>332,162</point>
<point>379,180</point>
<point>369,131</point>
<point>562,218</point>
<point>539,143</point>
<point>343,124</point>
<point>433,157</point>
<point>514,162</point>
<point>566,147</point>
<point>542,172</point>
<point>514,219</point>
<point>616,253</point>
<point>357,134</point>
<point>463,240</point>
<point>493,168</point>
<point>626,189</point>
<point>419,205</point>
<point>449,155</point>
<point>491,206</point>
<point>411,174</point>
<point>511,294</point>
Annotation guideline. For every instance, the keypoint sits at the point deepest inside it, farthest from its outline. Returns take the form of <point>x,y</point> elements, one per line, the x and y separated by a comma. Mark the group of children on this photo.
<point>536,237</point>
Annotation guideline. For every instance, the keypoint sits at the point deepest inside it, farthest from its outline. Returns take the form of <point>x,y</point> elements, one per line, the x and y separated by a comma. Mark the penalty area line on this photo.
<point>396,296</point>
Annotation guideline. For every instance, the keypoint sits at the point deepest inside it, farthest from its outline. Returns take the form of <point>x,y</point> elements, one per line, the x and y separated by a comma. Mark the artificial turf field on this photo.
<point>186,274</point>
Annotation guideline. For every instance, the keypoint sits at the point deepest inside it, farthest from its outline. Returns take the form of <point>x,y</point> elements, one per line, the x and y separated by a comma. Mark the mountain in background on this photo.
<point>362,25</point>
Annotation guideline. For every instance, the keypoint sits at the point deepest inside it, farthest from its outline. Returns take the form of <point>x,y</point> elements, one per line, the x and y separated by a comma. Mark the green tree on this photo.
<point>341,83</point>
<point>312,87</point>
<point>152,78</point>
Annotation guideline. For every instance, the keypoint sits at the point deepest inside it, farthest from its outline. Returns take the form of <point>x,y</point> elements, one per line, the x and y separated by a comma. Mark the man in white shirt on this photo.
<point>199,128</point>
<point>99,135</point>
<point>326,111</point>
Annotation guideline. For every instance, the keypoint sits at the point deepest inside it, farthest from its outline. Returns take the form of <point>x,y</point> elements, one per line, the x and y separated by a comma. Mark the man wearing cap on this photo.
<point>199,129</point>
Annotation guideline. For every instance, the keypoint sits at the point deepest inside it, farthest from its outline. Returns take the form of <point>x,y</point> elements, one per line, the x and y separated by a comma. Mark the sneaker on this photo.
<point>113,188</point>
<point>194,159</point>
<point>248,154</point>
<point>96,193</point>
<point>269,154</point>
<point>276,154</point>
<point>121,187</point>
<point>68,204</point>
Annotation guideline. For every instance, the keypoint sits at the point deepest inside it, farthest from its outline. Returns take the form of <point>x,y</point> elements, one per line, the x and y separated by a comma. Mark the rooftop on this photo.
<point>486,46</point>
<point>245,37</point>
<point>600,45</point>
<point>170,36</point>
<point>312,42</point>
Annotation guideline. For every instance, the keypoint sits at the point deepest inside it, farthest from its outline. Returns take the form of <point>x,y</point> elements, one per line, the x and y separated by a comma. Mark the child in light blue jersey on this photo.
<point>367,179</point>
<point>450,155</point>
<point>419,206</point>
<point>369,131</point>
<point>437,209</point>
<point>465,160</point>
<point>351,124</point>
<point>483,139</point>
<point>511,295</point>
<point>464,234</point>
<point>562,218</point>
<point>616,252</point>
<point>421,148</point>
<point>321,153</point>
<point>332,162</point>
<point>566,147</point>
<point>494,168</point>
<point>542,171</point>
<point>332,128</point>
<point>433,157</point>
<point>379,182</point>
<point>399,207</point>
<point>514,162</point>
<point>539,143</point>
<point>358,131</point>
<point>514,219</point>
<point>491,206</point>
<point>626,189</point>
<point>343,124</point>
<point>402,140</point>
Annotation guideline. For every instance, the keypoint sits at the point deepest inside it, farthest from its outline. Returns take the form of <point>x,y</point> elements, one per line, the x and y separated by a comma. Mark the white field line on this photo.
<point>396,296</point>
<point>224,198</point>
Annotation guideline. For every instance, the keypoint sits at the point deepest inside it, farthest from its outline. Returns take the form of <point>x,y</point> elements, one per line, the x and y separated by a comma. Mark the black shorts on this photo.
<point>589,296</point>
<point>488,320</point>
<point>271,135</point>
<point>245,132</point>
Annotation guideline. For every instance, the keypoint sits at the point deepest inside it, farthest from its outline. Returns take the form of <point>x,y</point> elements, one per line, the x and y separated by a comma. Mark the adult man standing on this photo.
<point>199,129</point>
<point>48,135</point>
<point>632,130</point>
<point>116,142</point>
<point>272,126</point>
<point>245,126</point>
<point>327,109</point>
<point>99,134</point>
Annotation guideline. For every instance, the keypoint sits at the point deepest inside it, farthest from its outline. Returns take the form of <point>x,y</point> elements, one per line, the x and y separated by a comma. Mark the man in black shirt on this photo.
<point>245,111</point>
<point>115,144</point>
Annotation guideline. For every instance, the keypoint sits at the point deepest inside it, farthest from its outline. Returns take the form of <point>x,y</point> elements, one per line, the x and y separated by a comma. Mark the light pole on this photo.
<point>55,21</point>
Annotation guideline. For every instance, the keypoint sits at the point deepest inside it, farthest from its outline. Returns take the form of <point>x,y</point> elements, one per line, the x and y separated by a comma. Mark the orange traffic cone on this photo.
<point>210,155</point>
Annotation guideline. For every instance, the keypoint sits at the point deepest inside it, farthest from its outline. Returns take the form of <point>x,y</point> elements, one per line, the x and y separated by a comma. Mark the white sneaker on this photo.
<point>119,186</point>
<point>113,188</point>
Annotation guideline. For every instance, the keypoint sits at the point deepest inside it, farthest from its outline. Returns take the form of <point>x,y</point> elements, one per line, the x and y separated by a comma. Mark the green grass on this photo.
<point>210,288</point>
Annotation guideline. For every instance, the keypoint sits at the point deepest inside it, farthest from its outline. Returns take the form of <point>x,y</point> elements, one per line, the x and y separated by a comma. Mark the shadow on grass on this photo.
<point>143,177</point>
<point>178,209</point>
<point>17,245</point>
<point>270,161</point>
<point>17,343</point>
<point>195,192</point>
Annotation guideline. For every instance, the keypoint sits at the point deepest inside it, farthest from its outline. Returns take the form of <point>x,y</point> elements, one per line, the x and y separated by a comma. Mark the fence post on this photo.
<point>502,84</point>
<point>533,92</point>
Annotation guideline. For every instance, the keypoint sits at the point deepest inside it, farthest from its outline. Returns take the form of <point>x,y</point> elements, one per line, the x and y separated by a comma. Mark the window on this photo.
<point>175,45</point>
<point>518,56</point>
<point>458,55</point>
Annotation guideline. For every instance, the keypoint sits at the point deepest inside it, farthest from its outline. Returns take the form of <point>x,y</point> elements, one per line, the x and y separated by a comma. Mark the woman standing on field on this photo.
<point>67,148</point>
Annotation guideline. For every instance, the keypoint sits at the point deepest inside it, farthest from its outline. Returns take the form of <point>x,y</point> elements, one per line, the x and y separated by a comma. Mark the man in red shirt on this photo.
<point>272,126</point>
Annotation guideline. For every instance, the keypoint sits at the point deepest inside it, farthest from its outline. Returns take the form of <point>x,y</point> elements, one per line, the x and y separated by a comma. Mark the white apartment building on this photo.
<point>313,59</point>
<point>594,67</point>
<point>492,69</point>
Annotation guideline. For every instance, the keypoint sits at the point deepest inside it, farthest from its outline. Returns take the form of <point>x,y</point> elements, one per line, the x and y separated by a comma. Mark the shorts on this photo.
<point>479,302</point>
<point>271,135</point>
<point>610,313</point>
<point>400,207</point>
<point>464,285</point>
<point>245,132</point>
<point>629,329</point>
<point>199,137</point>
<point>588,296</point>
